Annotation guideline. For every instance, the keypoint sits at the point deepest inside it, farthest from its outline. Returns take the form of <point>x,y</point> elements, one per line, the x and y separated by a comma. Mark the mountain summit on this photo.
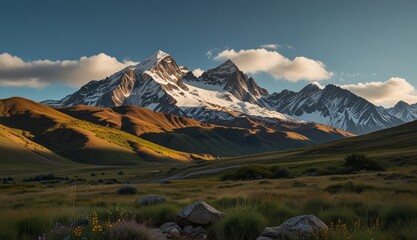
<point>404,111</point>
<point>229,78</point>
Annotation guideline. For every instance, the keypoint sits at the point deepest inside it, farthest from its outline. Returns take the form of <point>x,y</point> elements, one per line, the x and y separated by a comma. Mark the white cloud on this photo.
<point>277,65</point>
<point>39,73</point>
<point>318,85</point>
<point>386,93</point>
<point>197,72</point>
<point>271,46</point>
<point>211,52</point>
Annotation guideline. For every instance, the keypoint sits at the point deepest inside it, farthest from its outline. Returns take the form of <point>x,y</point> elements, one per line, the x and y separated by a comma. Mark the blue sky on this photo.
<point>358,41</point>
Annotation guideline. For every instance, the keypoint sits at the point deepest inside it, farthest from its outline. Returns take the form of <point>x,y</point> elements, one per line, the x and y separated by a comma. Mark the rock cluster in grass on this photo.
<point>191,220</point>
<point>191,223</point>
<point>299,227</point>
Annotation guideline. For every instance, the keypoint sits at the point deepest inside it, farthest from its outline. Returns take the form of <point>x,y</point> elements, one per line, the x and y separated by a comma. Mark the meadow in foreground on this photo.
<point>380,205</point>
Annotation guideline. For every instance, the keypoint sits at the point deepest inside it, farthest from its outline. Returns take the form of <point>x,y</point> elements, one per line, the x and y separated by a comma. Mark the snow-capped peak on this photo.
<point>401,104</point>
<point>227,67</point>
<point>151,61</point>
<point>311,88</point>
<point>404,111</point>
<point>159,55</point>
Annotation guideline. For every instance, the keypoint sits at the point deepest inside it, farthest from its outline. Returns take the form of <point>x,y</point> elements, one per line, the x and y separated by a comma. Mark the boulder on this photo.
<point>174,233</point>
<point>168,226</point>
<point>198,230</point>
<point>198,213</point>
<point>188,229</point>
<point>299,227</point>
<point>151,199</point>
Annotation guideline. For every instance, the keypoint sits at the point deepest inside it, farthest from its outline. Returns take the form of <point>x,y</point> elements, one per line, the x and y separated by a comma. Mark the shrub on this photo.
<point>47,177</point>
<point>240,225</point>
<point>252,172</point>
<point>357,162</point>
<point>128,231</point>
<point>156,215</point>
<point>120,173</point>
<point>126,190</point>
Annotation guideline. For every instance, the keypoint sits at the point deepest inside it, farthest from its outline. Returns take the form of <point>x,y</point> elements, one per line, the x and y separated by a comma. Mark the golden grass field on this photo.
<point>385,207</point>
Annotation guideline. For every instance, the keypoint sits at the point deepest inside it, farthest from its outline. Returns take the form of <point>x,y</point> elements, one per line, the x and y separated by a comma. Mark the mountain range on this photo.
<point>226,96</point>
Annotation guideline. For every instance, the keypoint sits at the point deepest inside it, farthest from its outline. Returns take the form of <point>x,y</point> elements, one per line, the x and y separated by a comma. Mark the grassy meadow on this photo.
<point>368,205</point>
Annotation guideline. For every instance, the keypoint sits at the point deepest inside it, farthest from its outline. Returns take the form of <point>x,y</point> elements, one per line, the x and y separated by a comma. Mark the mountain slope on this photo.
<point>189,135</point>
<point>404,111</point>
<point>332,106</point>
<point>81,141</point>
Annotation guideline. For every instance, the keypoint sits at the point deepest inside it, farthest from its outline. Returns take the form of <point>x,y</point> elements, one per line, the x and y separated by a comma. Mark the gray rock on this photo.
<point>188,229</point>
<point>151,199</point>
<point>198,213</point>
<point>198,230</point>
<point>299,227</point>
<point>263,238</point>
<point>174,233</point>
<point>168,226</point>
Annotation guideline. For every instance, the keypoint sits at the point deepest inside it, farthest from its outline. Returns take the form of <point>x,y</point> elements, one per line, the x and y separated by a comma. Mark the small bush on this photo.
<point>128,231</point>
<point>120,173</point>
<point>240,225</point>
<point>252,172</point>
<point>126,190</point>
<point>357,162</point>
<point>46,177</point>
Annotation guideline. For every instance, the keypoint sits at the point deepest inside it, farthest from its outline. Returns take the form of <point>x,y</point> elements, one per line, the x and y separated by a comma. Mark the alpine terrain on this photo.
<point>404,111</point>
<point>334,106</point>
<point>226,96</point>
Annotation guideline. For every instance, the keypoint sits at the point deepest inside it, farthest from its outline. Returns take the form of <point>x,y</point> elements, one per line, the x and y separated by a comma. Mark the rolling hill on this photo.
<point>77,140</point>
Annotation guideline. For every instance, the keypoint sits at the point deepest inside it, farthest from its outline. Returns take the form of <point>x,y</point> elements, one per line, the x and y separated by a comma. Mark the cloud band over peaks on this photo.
<point>272,62</point>
<point>385,93</point>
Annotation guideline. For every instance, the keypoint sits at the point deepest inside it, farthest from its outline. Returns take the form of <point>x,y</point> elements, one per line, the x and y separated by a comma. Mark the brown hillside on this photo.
<point>79,140</point>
